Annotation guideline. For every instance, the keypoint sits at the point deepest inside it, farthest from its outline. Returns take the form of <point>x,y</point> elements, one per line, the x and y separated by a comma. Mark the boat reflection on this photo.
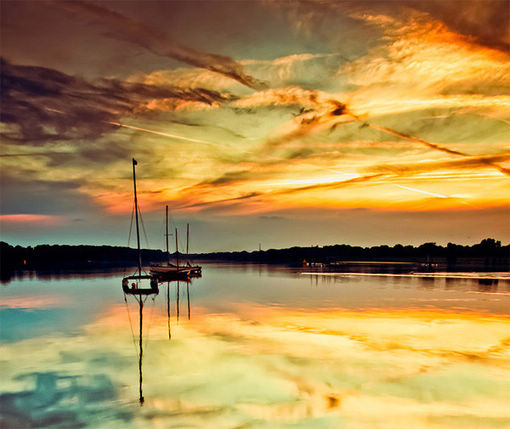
<point>141,295</point>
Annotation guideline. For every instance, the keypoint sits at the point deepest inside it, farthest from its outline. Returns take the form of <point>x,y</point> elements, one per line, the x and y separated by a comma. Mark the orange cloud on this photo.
<point>35,219</point>
<point>268,167</point>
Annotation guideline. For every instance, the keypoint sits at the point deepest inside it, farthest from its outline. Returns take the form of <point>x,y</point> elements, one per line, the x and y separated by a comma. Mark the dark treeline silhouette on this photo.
<point>489,253</point>
<point>67,257</point>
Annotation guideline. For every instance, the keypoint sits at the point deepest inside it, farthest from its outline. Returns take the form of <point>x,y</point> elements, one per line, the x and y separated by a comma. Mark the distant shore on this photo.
<point>488,255</point>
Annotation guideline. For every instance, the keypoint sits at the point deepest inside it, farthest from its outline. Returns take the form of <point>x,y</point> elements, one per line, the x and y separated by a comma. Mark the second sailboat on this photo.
<point>169,271</point>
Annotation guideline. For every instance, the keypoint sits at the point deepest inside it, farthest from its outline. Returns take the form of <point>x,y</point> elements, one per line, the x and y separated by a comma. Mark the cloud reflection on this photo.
<point>270,367</point>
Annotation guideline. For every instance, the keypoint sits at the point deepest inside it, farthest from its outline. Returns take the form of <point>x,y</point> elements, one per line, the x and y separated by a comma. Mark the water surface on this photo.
<point>252,346</point>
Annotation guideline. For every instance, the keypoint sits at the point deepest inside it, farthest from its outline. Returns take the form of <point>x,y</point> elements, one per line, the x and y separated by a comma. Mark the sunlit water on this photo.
<point>257,347</point>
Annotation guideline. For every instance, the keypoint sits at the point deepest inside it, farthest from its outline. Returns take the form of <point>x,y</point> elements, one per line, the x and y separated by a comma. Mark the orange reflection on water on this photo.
<point>366,368</point>
<point>437,332</point>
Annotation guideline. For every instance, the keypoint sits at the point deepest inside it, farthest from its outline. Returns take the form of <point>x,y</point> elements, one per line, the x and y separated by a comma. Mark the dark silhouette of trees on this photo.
<point>488,249</point>
<point>489,253</point>
<point>63,256</point>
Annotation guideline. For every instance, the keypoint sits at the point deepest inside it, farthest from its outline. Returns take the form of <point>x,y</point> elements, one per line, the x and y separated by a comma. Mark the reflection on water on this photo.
<point>267,347</point>
<point>141,296</point>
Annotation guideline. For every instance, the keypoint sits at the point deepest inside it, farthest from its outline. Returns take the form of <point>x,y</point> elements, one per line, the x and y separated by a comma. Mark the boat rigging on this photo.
<point>136,278</point>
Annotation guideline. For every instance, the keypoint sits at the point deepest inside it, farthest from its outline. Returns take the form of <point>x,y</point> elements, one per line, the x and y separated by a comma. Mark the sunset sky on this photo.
<point>280,123</point>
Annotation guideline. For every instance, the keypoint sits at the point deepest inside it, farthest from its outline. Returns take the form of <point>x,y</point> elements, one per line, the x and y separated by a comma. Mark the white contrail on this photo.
<point>423,192</point>
<point>160,133</point>
<point>50,109</point>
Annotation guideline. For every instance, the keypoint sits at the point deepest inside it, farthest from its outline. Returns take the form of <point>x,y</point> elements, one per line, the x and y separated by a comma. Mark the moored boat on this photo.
<point>135,279</point>
<point>169,271</point>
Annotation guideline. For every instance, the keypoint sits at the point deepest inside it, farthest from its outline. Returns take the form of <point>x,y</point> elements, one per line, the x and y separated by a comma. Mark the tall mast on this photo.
<point>187,240</point>
<point>166,235</point>
<point>136,216</point>
<point>176,248</point>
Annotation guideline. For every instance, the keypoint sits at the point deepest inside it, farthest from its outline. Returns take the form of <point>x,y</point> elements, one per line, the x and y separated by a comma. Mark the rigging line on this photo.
<point>131,224</point>
<point>130,230</point>
<point>171,221</point>
<point>143,228</point>
<point>131,326</point>
<point>161,232</point>
<point>173,227</point>
<point>144,232</point>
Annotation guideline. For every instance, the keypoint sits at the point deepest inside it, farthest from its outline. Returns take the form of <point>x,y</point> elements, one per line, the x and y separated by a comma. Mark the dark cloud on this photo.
<point>272,218</point>
<point>324,19</point>
<point>225,200</point>
<point>340,108</point>
<point>104,152</point>
<point>302,153</point>
<point>35,154</point>
<point>95,151</point>
<point>228,178</point>
<point>312,117</point>
<point>41,104</point>
<point>487,21</point>
<point>252,195</point>
<point>330,185</point>
<point>311,121</point>
<point>126,28</point>
<point>24,193</point>
<point>465,163</point>
<point>487,162</point>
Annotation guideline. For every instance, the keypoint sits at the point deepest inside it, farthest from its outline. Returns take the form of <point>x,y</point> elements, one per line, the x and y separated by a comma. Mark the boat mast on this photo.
<point>136,216</point>
<point>187,240</point>
<point>166,235</point>
<point>176,248</point>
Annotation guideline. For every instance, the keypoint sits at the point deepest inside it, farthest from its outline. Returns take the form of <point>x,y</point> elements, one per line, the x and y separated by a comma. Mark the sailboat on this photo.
<point>136,278</point>
<point>169,271</point>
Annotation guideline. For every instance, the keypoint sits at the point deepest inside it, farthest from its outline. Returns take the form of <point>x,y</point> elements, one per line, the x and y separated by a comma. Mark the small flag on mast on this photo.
<point>134,162</point>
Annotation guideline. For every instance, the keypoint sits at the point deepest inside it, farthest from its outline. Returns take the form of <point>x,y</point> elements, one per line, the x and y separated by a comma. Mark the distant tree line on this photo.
<point>67,257</point>
<point>488,252</point>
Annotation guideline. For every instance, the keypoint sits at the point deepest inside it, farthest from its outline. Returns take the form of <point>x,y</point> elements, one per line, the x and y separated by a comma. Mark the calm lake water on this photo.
<point>251,346</point>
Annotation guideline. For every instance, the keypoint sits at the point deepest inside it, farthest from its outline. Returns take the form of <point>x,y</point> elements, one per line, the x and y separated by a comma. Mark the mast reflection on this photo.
<point>141,295</point>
